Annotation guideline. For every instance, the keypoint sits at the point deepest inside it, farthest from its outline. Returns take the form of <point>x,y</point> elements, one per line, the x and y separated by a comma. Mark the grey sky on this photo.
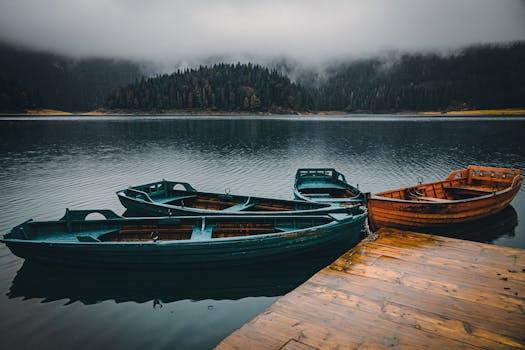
<point>304,30</point>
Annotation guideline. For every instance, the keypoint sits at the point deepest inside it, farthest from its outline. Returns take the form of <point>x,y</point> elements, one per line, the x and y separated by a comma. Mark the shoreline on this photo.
<point>460,113</point>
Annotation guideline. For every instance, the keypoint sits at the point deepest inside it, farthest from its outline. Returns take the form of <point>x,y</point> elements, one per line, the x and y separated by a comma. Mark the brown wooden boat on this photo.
<point>465,195</point>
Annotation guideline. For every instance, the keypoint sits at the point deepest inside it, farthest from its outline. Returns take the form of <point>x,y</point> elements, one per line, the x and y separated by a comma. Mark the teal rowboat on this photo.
<point>172,242</point>
<point>325,185</point>
<point>169,198</point>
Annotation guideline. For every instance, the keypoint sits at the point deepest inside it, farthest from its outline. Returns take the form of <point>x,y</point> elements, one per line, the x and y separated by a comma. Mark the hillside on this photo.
<point>221,87</point>
<point>14,97</point>
<point>477,77</point>
<point>58,82</point>
<point>473,78</point>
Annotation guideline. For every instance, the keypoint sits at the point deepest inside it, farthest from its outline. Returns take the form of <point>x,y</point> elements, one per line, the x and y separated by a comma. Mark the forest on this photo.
<point>221,87</point>
<point>31,79</point>
<point>476,77</point>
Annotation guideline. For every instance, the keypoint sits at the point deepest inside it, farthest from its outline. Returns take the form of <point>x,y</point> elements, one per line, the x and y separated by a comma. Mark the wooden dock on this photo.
<point>402,290</point>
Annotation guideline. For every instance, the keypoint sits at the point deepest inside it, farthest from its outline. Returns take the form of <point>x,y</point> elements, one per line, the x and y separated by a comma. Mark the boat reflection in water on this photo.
<point>485,230</point>
<point>90,286</point>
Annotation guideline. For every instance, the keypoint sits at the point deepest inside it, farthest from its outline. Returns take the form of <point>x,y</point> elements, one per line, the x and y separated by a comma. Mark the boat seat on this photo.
<point>87,238</point>
<point>320,185</point>
<point>477,189</point>
<point>322,195</point>
<point>284,229</point>
<point>238,207</point>
<point>173,199</point>
<point>433,199</point>
<point>200,234</point>
<point>94,236</point>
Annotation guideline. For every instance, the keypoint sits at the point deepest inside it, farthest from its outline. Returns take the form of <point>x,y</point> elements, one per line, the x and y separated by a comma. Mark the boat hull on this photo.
<point>388,212</point>
<point>325,185</point>
<point>143,208</point>
<point>337,236</point>
<point>162,198</point>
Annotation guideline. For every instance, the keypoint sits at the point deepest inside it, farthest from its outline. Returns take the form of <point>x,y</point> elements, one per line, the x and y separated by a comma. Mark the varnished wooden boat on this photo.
<point>172,242</point>
<point>169,198</point>
<point>465,195</point>
<point>325,185</point>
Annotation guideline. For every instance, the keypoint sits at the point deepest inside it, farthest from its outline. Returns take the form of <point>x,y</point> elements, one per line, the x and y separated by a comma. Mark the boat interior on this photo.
<point>461,184</point>
<point>328,192</point>
<point>327,183</point>
<point>170,193</point>
<point>196,229</point>
<point>202,229</point>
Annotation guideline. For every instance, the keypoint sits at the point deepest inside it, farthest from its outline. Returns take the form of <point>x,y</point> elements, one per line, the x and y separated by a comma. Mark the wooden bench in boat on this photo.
<point>476,189</point>
<point>239,207</point>
<point>200,233</point>
<point>433,199</point>
<point>284,229</point>
<point>320,195</point>
<point>94,236</point>
<point>173,199</point>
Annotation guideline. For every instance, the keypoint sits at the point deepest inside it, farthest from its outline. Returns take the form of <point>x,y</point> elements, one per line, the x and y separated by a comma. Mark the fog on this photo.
<point>310,32</point>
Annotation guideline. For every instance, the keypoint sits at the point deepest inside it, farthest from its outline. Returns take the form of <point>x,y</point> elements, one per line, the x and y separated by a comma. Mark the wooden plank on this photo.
<point>433,199</point>
<point>472,188</point>
<point>403,290</point>
<point>297,345</point>
<point>501,321</point>
<point>469,266</point>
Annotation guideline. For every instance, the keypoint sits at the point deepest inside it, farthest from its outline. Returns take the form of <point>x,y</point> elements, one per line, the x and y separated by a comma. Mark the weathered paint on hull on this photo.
<point>144,208</point>
<point>155,209</point>
<point>171,255</point>
<point>334,181</point>
<point>386,212</point>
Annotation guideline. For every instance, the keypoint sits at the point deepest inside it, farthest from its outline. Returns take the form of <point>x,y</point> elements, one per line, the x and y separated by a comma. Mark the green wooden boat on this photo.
<point>325,185</point>
<point>172,242</point>
<point>169,198</point>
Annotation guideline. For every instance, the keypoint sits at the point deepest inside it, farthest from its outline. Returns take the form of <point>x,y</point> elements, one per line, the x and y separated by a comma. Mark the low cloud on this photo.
<point>310,32</point>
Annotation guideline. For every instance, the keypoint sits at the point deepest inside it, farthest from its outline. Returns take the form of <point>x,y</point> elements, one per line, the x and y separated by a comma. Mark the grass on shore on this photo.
<point>480,112</point>
<point>46,112</point>
<point>509,111</point>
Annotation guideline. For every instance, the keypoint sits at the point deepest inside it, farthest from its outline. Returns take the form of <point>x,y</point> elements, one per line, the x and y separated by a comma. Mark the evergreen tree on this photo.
<point>224,87</point>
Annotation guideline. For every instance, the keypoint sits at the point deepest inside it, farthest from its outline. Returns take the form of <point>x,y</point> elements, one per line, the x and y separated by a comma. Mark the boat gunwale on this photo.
<point>307,231</point>
<point>514,185</point>
<point>321,207</point>
<point>358,198</point>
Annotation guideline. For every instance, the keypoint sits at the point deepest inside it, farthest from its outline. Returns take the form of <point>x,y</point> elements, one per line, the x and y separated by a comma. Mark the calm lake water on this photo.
<point>50,163</point>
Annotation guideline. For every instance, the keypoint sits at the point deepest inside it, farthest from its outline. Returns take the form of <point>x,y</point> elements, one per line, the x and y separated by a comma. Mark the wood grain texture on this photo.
<point>466,195</point>
<point>402,290</point>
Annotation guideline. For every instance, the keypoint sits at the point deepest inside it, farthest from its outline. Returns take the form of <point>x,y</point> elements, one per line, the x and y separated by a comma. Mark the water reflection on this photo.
<point>486,230</point>
<point>51,283</point>
<point>49,165</point>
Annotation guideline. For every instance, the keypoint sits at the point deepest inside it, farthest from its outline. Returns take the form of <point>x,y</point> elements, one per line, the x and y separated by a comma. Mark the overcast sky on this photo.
<point>309,31</point>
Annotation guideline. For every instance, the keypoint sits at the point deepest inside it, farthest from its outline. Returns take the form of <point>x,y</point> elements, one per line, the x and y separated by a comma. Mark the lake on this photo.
<point>53,163</point>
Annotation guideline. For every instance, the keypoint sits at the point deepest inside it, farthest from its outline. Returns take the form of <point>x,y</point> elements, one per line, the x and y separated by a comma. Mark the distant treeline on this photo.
<point>222,87</point>
<point>476,77</point>
<point>60,82</point>
<point>14,97</point>
<point>489,76</point>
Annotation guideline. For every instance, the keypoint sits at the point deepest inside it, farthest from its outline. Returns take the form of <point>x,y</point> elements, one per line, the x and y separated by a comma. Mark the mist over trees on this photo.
<point>221,87</point>
<point>488,76</point>
<point>476,77</point>
<point>61,82</point>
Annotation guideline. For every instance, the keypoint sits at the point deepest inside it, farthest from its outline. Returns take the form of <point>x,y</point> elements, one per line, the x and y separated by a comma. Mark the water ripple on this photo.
<point>49,164</point>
